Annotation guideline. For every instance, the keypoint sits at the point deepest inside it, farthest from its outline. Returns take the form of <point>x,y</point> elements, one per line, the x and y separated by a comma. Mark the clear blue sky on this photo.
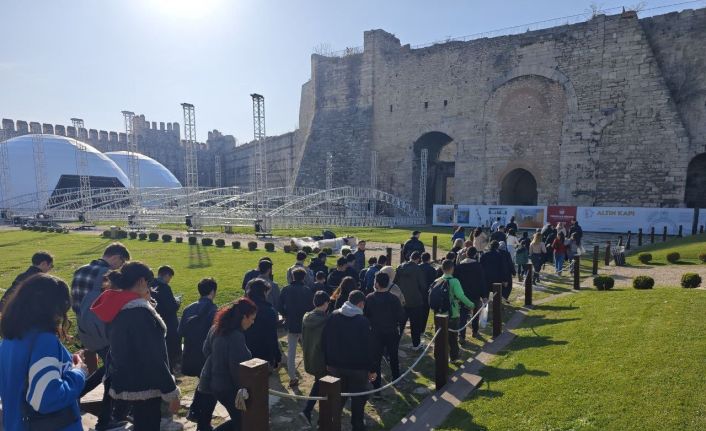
<point>94,58</point>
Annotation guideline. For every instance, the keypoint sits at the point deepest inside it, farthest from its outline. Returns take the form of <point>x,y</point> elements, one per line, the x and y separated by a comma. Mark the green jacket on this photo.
<point>455,295</point>
<point>312,329</point>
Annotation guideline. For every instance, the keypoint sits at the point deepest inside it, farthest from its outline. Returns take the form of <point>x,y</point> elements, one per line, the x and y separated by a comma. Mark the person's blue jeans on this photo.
<point>558,261</point>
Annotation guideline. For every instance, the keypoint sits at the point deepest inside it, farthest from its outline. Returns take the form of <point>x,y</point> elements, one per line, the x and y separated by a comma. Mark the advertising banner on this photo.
<point>560,214</point>
<point>622,219</point>
<point>443,215</point>
<point>526,217</point>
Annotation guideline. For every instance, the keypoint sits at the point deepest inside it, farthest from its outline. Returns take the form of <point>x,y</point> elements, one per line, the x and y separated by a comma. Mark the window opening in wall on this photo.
<point>446,102</point>
<point>426,105</point>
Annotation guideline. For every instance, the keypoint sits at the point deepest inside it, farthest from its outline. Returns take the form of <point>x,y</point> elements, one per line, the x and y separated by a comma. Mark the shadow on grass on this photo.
<point>198,257</point>
<point>556,307</point>
<point>533,342</point>
<point>462,419</point>
<point>493,374</point>
<point>97,249</point>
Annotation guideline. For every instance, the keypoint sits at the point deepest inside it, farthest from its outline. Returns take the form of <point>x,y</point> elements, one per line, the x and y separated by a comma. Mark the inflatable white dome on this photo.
<point>60,156</point>
<point>152,173</point>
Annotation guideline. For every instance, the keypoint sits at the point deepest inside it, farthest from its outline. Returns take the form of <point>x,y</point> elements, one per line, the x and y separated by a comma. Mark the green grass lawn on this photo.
<point>616,360</point>
<point>688,247</point>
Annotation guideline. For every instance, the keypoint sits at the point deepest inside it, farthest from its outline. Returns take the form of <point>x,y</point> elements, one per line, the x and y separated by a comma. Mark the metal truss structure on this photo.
<point>5,189</point>
<point>260,155</point>
<point>40,166</point>
<point>281,207</point>
<point>82,170</point>
<point>191,160</point>
<point>423,172</point>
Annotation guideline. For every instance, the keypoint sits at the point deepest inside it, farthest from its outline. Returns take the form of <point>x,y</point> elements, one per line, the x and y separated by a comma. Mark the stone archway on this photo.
<point>695,194</point>
<point>441,167</point>
<point>519,187</point>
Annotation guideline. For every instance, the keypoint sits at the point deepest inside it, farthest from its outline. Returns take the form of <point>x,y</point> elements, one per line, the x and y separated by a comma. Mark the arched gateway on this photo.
<point>519,187</point>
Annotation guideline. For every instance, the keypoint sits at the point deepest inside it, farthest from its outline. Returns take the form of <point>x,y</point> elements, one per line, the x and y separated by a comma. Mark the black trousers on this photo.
<point>313,393</point>
<point>415,315</point>
<point>146,414</point>
<point>453,339</point>
<point>110,408</point>
<point>507,288</point>
<point>234,423</point>
<point>354,381</point>
<point>202,408</point>
<point>381,343</point>
<point>465,314</point>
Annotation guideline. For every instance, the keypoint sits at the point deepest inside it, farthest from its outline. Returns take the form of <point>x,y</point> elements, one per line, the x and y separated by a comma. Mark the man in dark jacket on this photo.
<point>369,279</point>
<point>470,274</point>
<point>492,262</point>
<point>346,345</point>
<point>264,271</point>
<point>359,255</point>
<point>261,337</point>
<point>309,276</point>
<point>295,300</point>
<point>412,282</point>
<point>335,276</point>
<point>42,262</point>
<point>319,264</point>
<point>320,285</point>
<point>512,225</point>
<point>167,307</point>
<point>508,271</point>
<point>363,274</point>
<point>193,328</point>
<point>577,230</point>
<point>314,363</point>
<point>413,244</point>
<point>499,235</point>
<point>430,275</point>
<point>350,267</point>
<point>385,313</point>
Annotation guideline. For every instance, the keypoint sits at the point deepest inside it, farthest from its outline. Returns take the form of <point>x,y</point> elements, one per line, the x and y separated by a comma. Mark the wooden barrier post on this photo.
<point>497,309</point>
<point>664,234</point>
<point>620,240</point>
<point>254,376</point>
<point>652,235</point>
<point>577,272</point>
<point>680,231</point>
<point>627,245</point>
<point>528,284</point>
<point>389,256</point>
<point>402,259</point>
<point>433,248</point>
<point>441,350</point>
<point>639,237</point>
<point>330,409</point>
<point>607,253</point>
<point>596,252</point>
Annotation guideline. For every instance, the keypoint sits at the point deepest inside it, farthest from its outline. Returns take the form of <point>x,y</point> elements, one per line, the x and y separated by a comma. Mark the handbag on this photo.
<point>35,421</point>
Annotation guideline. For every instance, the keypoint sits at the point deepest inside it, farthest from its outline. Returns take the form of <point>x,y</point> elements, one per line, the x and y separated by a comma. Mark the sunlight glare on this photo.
<point>186,9</point>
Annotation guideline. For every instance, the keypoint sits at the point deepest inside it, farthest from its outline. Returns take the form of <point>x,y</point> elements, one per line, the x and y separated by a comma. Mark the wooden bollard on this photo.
<point>664,234</point>
<point>577,272</point>
<point>330,409</point>
<point>402,259</point>
<point>639,237</point>
<point>681,231</point>
<point>389,256</point>
<point>627,245</point>
<point>528,284</point>
<point>441,350</point>
<point>607,254</point>
<point>254,376</point>
<point>433,248</point>
<point>652,235</point>
<point>620,240</point>
<point>596,252</point>
<point>497,309</point>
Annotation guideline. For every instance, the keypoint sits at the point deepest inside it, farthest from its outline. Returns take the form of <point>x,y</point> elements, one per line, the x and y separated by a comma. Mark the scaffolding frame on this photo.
<point>191,160</point>
<point>84,178</point>
<point>217,170</point>
<point>260,153</point>
<point>423,172</point>
<point>40,166</point>
<point>5,188</point>
<point>373,178</point>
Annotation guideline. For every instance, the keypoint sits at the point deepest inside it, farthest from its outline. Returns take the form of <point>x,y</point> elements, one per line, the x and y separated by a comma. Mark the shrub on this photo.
<point>603,282</point>
<point>132,235</point>
<point>153,236</point>
<point>690,280</point>
<point>328,251</point>
<point>235,245</point>
<point>306,249</point>
<point>316,250</point>
<point>179,240</point>
<point>220,242</point>
<point>192,240</point>
<point>122,234</point>
<point>206,241</point>
<point>106,234</point>
<point>23,227</point>
<point>287,248</point>
<point>44,229</point>
<point>66,231</point>
<point>142,236</point>
<point>673,257</point>
<point>643,282</point>
<point>645,258</point>
<point>166,237</point>
<point>270,246</point>
<point>702,257</point>
<point>345,252</point>
<point>252,245</point>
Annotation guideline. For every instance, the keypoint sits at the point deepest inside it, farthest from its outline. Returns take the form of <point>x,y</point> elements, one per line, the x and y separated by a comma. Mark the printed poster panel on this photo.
<point>622,219</point>
<point>560,214</point>
<point>443,215</point>
<point>526,217</point>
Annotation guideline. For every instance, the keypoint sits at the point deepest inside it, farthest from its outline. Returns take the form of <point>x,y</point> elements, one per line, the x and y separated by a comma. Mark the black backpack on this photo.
<point>439,299</point>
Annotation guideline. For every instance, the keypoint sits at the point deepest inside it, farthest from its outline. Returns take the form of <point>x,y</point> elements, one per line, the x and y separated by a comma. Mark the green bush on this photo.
<point>235,245</point>
<point>192,240</point>
<point>316,250</point>
<point>122,234</point>
<point>166,237</point>
<point>43,228</point>
<point>270,246</point>
<point>328,251</point>
<point>142,236</point>
<point>179,240</point>
<point>66,231</point>
<point>106,234</point>
<point>603,282</point>
<point>206,241</point>
<point>252,245</point>
<point>132,235</point>
<point>673,257</point>
<point>306,249</point>
<point>23,227</point>
<point>645,258</point>
<point>287,248</point>
<point>702,257</point>
<point>220,242</point>
<point>643,282</point>
<point>690,280</point>
<point>153,236</point>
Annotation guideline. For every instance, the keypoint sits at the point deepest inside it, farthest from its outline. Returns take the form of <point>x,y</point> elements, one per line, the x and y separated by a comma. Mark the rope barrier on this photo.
<point>470,320</point>
<point>295,396</point>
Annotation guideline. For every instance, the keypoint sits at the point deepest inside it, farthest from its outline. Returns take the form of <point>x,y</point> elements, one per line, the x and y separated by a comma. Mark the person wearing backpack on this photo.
<point>444,297</point>
<point>193,329</point>
<point>86,287</point>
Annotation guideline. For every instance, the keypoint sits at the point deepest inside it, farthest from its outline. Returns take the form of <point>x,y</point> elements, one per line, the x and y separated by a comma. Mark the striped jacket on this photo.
<point>53,381</point>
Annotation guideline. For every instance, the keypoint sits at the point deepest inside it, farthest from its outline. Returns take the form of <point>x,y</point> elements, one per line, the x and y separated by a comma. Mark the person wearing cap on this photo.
<point>336,276</point>
<point>412,282</point>
<point>309,278</point>
<point>314,363</point>
<point>318,264</point>
<point>413,244</point>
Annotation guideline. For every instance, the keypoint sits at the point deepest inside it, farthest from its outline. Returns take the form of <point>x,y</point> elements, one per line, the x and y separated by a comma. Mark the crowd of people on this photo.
<point>346,319</point>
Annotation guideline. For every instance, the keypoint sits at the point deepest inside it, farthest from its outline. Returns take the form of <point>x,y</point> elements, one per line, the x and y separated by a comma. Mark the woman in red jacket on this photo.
<point>559,248</point>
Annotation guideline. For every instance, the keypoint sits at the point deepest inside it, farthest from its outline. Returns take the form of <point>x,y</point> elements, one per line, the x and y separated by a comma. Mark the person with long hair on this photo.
<point>537,250</point>
<point>480,240</point>
<point>138,366</point>
<point>39,378</point>
<point>225,348</point>
<point>340,295</point>
<point>559,248</point>
<point>262,336</point>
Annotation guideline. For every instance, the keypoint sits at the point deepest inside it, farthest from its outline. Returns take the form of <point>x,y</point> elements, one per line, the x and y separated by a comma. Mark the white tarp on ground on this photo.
<point>623,219</point>
<point>334,244</point>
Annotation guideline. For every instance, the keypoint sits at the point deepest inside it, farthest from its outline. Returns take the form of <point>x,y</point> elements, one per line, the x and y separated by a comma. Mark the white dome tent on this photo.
<point>152,173</point>
<point>60,155</point>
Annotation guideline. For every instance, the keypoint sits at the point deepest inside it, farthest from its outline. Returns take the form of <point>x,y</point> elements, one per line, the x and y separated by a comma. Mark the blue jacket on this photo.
<point>53,382</point>
<point>193,328</point>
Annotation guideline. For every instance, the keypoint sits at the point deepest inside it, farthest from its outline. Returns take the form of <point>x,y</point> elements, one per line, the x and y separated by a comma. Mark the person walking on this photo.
<point>480,240</point>
<point>225,348</point>
<point>314,363</point>
<point>295,301</point>
<point>38,374</point>
<point>572,250</point>
<point>512,243</point>
<point>456,296</point>
<point>261,337</point>
<point>522,257</point>
<point>359,255</point>
<point>351,270</point>
<point>318,264</point>
<point>511,225</point>
<point>508,271</point>
<point>496,224</point>
<point>499,235</point>
<point>411,245</point>
<point>42,263</point>
<point>370,274</point>
<point>412,282</point>
<point>385,314</point>
<point>459,233</point>
<point>363,275</point>
<point>457,245</point>
<point>492,262</point>
<point>346,345</point>
<point>429,277</point>
<point>257,272</point>
<point>138,365</point>
<point>340,295</point>
<point>559,248</point>
<point>193,328</point>
<point>308,275</point>
<point>537,251</point>
<point>336,276</point>
<point>577,230</point>
<point>472,278</point>
<point>320,285</point>
<point>167,307</point>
